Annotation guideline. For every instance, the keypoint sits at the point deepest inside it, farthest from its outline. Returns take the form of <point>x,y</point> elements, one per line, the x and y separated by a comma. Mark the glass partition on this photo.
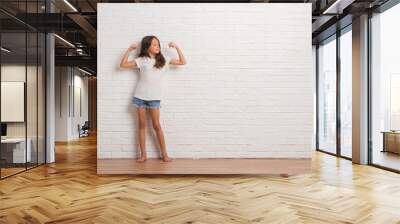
<point>22,78</point>
<point>41,87</point>
<point>13,95</point>
<point>31,100</point>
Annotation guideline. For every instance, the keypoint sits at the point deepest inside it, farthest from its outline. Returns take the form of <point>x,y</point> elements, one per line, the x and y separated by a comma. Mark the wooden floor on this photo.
<point>10,171</point>
<point>387,159</point>
<point>70,191</point>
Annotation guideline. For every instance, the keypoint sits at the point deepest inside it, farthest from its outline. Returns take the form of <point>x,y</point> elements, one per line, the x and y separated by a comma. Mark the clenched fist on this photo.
<point>172,44</point>
<point>134,46</point>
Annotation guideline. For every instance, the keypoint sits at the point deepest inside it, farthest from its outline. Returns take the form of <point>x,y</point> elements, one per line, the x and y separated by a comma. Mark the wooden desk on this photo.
<point>391,141</point>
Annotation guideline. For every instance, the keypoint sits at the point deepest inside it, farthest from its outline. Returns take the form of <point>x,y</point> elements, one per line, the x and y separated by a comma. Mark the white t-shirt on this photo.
<point>149,86</point>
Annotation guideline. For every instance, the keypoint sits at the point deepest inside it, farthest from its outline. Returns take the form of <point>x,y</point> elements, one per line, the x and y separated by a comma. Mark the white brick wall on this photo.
<point>245,92</point>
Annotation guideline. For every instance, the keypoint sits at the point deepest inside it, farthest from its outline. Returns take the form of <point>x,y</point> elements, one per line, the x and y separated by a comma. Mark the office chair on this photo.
<point>84,130</point>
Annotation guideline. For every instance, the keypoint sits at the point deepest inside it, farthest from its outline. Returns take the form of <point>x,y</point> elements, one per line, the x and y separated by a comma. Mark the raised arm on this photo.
<point>181,60</point>
<point>124,62</point>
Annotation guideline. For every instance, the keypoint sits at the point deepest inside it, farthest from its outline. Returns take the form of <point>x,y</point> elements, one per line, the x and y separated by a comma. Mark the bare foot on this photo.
<point>141,159</point>
<point>166,159</point>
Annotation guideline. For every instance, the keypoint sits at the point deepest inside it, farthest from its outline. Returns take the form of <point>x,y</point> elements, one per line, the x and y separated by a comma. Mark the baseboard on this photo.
<point>205,166</point>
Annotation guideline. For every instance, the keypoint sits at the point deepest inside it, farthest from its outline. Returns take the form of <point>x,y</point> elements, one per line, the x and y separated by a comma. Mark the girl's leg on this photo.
<point>155,118</point>
<point>142,137</point>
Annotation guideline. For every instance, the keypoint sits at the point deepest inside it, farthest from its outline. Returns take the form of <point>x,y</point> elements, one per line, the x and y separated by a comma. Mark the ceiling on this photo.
<point>76,22</point>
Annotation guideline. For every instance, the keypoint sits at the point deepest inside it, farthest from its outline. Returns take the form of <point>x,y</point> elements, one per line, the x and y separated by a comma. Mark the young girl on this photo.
<point>151,64</point>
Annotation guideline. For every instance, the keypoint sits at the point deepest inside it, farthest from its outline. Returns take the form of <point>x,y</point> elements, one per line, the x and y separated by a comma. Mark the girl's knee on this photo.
<point>157,126</point>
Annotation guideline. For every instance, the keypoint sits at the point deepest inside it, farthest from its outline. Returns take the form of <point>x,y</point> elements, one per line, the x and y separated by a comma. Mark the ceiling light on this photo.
<point>5,49</point>
<point>84,71</point>
<point>338,6</point>
<point>70,5</point>
<point>65,41</point>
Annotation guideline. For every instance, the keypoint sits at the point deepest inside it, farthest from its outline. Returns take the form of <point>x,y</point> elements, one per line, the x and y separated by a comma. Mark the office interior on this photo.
<point>48,83</point>
<point>26,54</point>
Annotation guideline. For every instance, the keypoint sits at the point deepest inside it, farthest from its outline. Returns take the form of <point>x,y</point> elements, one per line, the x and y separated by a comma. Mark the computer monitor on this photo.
<point>3,129</point>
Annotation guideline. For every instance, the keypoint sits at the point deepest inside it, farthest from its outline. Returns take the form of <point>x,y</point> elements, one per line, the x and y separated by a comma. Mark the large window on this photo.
<point>385,89</point>
<point>327,95</point>
<point>335,61</point>
<point>346,92</point>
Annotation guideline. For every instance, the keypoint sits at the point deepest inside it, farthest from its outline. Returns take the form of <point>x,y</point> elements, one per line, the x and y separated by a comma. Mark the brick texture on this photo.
<point>245,92</point>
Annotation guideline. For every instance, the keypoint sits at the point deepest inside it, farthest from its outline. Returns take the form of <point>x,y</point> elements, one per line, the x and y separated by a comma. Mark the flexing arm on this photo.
<point>124,62</point>
<point>181,60</point>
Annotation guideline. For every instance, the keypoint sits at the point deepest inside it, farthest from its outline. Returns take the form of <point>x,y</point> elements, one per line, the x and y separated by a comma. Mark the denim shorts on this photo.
<point>146,103</point>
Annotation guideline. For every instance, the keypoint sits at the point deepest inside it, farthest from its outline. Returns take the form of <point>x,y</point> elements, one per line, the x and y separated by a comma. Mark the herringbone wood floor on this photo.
<point>69,191</point>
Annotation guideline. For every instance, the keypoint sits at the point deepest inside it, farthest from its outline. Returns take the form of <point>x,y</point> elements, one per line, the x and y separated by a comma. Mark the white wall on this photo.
<point>66,121</point>
<point>80,83</point>
<point>246,91</point>
<point>61,103</point>
<point>17,73</point>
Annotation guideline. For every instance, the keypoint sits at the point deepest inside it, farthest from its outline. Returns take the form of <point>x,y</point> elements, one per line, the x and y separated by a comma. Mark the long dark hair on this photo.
<point>145,45</point>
